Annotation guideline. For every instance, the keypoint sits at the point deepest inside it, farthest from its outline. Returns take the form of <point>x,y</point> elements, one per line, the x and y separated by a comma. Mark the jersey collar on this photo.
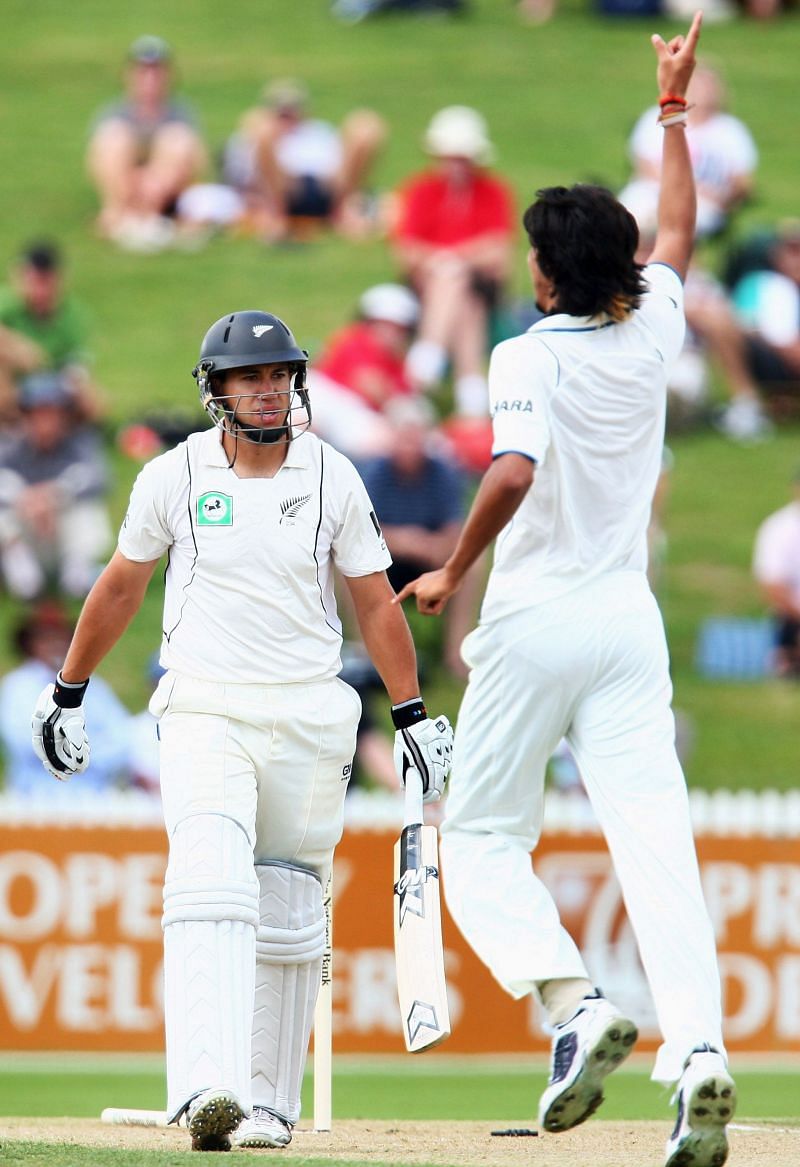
<point>298,455</point>
<point>561,322</point>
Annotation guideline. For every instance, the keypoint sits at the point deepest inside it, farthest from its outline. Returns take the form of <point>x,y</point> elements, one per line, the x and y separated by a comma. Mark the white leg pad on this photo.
<point>210,920</point>
<point>289,948</point>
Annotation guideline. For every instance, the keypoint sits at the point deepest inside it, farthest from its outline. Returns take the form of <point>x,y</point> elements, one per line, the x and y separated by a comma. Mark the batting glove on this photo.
<point>59,729</point>
<point>424,745</point>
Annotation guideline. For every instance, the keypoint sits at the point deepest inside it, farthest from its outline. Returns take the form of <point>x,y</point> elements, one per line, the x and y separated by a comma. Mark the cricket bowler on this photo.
<point>571,644</point>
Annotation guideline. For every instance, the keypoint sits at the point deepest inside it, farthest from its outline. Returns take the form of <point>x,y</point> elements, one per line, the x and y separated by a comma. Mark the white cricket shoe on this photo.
<point>211,1118</point>
<point>595,1041</point>
<point>263,1129</point>
<point>744,421</point>
<point>706,1097</point>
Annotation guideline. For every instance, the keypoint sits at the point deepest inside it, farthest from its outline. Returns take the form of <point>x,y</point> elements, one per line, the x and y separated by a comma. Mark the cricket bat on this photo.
<point>117,1116</point>
<point>419,955</point>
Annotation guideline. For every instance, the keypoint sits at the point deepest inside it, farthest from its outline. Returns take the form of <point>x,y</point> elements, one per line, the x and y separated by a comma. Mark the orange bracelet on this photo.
<point>671,99</point>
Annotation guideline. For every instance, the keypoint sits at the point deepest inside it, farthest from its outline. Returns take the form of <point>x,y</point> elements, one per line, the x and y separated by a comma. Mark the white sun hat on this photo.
<point>458,131</point>
<point>391,302</point>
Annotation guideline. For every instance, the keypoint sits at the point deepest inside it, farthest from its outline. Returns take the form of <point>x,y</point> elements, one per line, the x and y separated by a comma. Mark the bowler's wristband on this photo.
<point>408,713</point>
<point>69,695</point>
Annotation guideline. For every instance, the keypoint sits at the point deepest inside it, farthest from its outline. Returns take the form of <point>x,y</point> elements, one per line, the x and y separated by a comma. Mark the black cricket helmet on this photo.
<point>237,341</point>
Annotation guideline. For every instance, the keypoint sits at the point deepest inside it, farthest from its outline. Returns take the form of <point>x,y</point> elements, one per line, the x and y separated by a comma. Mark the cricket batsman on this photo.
<point>257,730</point>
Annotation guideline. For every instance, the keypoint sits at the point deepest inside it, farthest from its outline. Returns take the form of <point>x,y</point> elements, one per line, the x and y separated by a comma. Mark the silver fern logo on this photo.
<point>291,506</point>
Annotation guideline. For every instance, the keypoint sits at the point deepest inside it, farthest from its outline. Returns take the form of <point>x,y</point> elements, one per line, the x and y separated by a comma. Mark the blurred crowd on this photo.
<point>540,11</point>
<point>400,386</point>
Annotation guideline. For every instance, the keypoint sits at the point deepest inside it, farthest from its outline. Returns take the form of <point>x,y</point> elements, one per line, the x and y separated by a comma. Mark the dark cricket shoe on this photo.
<point>263,1129</point>
<point>212,1117</point>
<point>706,1098</point>
<point>596,1040</point>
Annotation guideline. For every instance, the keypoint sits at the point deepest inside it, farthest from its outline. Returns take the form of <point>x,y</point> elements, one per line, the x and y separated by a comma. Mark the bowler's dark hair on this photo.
<point>585,242</point>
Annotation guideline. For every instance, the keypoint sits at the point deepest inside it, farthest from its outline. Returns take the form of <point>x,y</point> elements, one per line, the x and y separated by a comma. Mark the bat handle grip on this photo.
<point>412,811</point>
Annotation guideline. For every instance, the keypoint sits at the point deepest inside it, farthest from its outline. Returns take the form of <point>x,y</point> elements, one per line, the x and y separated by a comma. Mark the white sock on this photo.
<point>562,996</point>
<point>24,577</point>
<point>472,395</point>
<point>426,362</point>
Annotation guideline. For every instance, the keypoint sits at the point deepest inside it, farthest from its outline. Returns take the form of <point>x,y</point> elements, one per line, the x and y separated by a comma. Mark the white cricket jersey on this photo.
<point>585,398</point>
<point>249,582</point>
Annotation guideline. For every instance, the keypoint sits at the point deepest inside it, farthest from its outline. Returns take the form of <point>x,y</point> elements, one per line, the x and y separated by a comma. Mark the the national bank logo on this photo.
<point>214,509</point>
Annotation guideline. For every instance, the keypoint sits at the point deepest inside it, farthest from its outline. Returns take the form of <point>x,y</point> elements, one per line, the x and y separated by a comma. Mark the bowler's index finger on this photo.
<point>693,34</point>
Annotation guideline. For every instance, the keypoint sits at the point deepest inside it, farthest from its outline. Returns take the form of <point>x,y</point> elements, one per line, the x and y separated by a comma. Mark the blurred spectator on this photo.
<point>453,241</point>
<point>724,157</point>
<point>361,370</point>
<point>143,151</point>
<point>713,335</point>
<point>42,327</point>
<point>420,500</point>
<point>54,527</point>
<point>765,9</point>
<point>354,11</point>
<point>768,306</point>
<point>713,10</point>
<point>713,328</point>
<point>536,11</point>
<point>776,567</point>
<point>41,638</point>
<point>750,252</point>
<point>294,169</point>
<point>718,10</point>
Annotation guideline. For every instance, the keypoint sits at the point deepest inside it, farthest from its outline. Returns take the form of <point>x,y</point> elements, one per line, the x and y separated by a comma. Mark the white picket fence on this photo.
<point>766,813</point>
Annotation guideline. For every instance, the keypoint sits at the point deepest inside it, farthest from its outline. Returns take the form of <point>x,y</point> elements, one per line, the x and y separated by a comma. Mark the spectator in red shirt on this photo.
<point>453,241</point>
<point>362,370</point>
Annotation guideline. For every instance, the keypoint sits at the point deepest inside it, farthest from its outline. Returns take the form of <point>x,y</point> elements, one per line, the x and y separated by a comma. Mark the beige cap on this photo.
<point>457,131</point>
<point>391,302</point>
<point>286,93</point>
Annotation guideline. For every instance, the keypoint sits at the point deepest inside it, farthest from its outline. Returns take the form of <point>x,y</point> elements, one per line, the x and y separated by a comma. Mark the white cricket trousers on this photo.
<point>274,758</point>
<point>248,773</point>
<point>591,666</point>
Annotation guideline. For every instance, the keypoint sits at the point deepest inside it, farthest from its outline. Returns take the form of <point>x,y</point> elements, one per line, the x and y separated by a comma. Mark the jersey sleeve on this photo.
<point>358,545</point>
<point>518,374</point>
<point>145,534</point>
<point>662,309</point>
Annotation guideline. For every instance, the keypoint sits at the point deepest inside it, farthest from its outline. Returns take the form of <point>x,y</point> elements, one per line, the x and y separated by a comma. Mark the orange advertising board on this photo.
<point>80,942</point>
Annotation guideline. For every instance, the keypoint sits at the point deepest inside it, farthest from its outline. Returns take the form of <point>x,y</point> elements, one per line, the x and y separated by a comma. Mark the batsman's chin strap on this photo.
<point>258,435</point>
<point>69,694</point>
